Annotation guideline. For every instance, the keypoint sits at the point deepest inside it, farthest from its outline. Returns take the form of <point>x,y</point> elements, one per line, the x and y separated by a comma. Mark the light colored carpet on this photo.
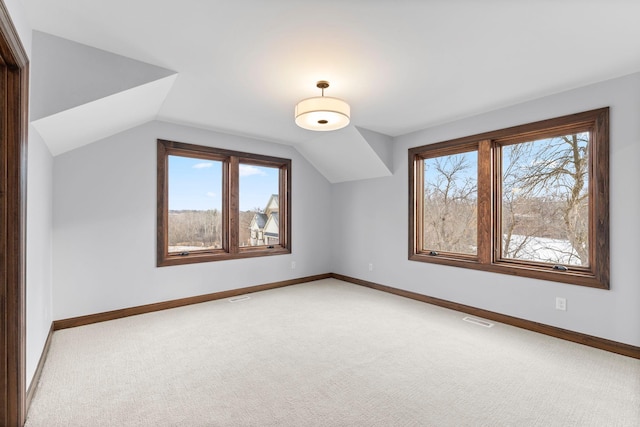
<point>326,353</point>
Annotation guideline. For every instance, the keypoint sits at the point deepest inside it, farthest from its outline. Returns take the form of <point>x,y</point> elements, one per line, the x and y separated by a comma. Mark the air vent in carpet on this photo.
<point>238,299</point>
<point>478,322</point>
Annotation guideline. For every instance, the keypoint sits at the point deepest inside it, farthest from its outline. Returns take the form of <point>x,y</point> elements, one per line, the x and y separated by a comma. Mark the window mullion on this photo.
<point>233,199</point>
<point>485,201</point>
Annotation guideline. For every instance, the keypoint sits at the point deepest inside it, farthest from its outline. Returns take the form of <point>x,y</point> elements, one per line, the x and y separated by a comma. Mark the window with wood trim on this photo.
<point>531,200</point>
<point>216,204</point>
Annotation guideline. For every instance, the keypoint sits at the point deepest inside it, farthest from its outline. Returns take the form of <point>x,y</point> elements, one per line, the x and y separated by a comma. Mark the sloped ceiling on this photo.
<point>66,74</point>
<point>401,65</point>
<point>103,117</point>
<point>349,154</point>
<point>81,94</point>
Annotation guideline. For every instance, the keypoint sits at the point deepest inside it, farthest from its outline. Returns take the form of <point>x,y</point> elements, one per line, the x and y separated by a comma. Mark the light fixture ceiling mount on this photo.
<point>322,113</point>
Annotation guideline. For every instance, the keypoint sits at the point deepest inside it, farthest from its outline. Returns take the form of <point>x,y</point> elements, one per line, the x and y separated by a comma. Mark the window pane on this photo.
<point>545,200</point>
<point>195,204</point>
<point>259,205</point>
<point>450,202</point>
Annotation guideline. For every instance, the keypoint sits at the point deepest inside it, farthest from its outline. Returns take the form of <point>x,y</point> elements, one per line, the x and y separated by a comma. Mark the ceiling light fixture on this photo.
<point>322,113</point>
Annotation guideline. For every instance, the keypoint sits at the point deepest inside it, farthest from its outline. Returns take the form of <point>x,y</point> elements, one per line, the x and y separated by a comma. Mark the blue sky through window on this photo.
<point>196,184</point>
<point>257,184</point>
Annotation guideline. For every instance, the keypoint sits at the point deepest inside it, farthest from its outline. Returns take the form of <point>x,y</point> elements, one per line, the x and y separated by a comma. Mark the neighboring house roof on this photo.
<point>259,220</point>
<point>275,218</point>
<point>272,228</point>
<point>268,221</point>
<point>273,204</point>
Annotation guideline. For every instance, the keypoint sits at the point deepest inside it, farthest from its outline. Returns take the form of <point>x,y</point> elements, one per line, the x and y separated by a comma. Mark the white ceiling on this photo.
<point>402,65</point>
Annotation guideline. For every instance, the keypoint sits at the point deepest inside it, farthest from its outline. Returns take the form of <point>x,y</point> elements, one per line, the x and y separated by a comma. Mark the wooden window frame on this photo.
<point>440,151</point>
<point>231,161</point>
<point>489,199</point>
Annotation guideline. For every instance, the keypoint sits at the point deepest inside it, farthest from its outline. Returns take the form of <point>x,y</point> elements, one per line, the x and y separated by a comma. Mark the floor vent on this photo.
<point>238,299</point>
<point>478,322</point>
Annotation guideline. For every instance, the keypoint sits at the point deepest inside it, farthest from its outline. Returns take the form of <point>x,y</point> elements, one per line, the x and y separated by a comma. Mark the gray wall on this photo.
<point>372,216</point>
<point>105,233</point>
<point>39,288</point>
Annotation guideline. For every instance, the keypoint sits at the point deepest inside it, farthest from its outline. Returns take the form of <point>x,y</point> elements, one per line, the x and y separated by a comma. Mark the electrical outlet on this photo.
<point>293,265</point>
<point>561,303</point>
<point>370,266</point>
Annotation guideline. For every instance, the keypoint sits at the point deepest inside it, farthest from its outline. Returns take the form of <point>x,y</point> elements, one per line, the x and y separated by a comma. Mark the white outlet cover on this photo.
<point>561,303</point>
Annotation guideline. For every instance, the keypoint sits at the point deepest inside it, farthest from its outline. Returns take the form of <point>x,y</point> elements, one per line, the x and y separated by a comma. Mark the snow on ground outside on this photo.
<point>543,249</point>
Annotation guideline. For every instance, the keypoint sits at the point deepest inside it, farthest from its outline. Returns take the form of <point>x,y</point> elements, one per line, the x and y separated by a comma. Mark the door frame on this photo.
<point>14,85</point>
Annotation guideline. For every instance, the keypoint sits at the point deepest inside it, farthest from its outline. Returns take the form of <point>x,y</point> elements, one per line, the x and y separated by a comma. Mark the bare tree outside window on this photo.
<point>450,203</point>
<point>545,200</point>
<point>195,230</point>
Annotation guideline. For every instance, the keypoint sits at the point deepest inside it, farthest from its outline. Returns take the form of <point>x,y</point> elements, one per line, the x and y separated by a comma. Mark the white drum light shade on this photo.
<point>322,113</point>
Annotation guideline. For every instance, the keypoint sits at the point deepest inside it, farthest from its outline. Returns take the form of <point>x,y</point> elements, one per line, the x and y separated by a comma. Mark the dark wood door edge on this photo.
<point>577,337</point>
<point>148,308</point>
<point>13,176</point>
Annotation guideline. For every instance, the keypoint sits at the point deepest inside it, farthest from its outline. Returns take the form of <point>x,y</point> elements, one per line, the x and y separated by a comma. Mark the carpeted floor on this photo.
<point>326,353</point>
